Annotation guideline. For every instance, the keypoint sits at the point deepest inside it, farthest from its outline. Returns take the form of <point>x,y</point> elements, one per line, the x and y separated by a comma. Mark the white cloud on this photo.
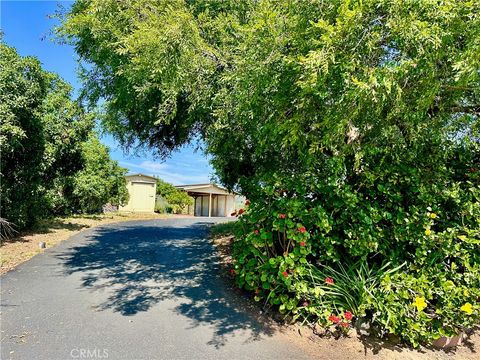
<point>164,172</point>
<point>152,166</point>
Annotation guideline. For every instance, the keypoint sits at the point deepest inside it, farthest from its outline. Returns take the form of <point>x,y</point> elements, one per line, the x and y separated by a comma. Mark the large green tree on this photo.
<point>355,120</point>
<point>41,134</point>
<point>23,86</point>
<point>100,181</point>
<point>43,141</point>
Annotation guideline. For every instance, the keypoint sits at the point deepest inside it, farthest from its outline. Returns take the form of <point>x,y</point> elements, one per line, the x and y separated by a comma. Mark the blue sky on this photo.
<point>26,27</point>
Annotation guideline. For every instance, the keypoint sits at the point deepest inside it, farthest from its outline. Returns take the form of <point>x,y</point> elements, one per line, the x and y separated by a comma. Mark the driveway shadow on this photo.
<point>140,266</point>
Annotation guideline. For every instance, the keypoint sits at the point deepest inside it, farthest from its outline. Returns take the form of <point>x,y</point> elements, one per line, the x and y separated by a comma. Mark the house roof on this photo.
<point>141,175</point>
<point>200,187</point>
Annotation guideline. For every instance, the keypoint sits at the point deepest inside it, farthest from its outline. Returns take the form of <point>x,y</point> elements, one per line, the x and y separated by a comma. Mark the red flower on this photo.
<point>303,243</point>
<point>233,214</point>
<point>232,271</point>
<point>240,211</point>
<point>334,319</point>
<point>247,202</point>
<point>285,274</point>
<point>302,229</point>
<point>257,291</point>
<point>329,281</point>
<point>348,315</point>
<point>256,231</point>
<point>344,324</point>
<point>282,216</point>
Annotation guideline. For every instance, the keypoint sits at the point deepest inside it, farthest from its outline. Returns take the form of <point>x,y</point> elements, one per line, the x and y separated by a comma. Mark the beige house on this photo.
<point>142,190</point>
<point>210,199</point>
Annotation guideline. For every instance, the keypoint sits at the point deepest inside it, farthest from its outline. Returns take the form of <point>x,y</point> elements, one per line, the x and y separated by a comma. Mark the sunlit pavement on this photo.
<point>137,290</point>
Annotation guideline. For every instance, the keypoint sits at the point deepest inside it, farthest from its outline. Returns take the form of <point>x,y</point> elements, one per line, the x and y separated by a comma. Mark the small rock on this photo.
<point>42,245</point>
<point>363,326</point>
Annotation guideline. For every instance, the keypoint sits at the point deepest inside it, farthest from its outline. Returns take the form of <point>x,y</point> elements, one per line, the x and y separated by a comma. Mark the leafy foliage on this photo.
<point>23,87</point>
<point>177,200</point>
<point>101,180</point>
<point>43,142</point>
<point>352,126</point>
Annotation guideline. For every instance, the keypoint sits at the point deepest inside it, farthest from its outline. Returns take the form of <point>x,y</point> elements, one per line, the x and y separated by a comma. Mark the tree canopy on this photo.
<point>46,144</point>
<point>294,81</point>
<point>352,126</point>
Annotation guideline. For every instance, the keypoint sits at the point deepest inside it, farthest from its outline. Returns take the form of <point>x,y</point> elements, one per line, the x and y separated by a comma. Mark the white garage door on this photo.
<point>142,197</point>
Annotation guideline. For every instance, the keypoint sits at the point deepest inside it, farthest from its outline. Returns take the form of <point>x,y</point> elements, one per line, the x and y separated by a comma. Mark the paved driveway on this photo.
<point>138,290</point>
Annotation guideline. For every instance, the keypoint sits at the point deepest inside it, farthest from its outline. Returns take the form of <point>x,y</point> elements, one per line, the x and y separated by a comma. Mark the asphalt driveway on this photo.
<point>138,290</point>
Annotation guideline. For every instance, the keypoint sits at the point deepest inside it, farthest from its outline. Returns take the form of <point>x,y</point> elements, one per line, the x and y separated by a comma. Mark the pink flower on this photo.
<point>282,216</point>
<point>247,202</point>
<point>348,315</point>
<point>329,281</point>
<point>302,229</point>
<point>256,231</point>
<point>305,303</point>
<point>303,243</point>
<point>285,274</point>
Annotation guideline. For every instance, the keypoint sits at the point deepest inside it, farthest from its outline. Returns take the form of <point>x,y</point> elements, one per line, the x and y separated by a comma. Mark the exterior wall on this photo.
<point>222,205</point>
<point>142,191</point>
<point>198,206</point>
<point>230,208</point>
<point>201,205</point>
<point>223,202</point>
<point>219,205</point>
<point>205,205</point>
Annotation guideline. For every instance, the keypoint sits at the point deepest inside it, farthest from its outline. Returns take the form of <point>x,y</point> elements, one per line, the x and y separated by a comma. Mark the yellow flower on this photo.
<point>433,215</point>
<point>428,232</point>
<point>420,303</point>
<point>467,307</point>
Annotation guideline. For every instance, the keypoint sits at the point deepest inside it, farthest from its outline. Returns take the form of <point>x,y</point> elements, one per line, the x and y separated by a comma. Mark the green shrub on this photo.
<point>352,126</point>
<point>101,180</point>
<point>51,162</point>
<point>177,201</point>
<point>160,208</point>
<point>288,246</point>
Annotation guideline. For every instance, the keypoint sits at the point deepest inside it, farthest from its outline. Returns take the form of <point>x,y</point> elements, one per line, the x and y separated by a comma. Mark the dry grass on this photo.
<point>222,238</point>
<point>25,245</point>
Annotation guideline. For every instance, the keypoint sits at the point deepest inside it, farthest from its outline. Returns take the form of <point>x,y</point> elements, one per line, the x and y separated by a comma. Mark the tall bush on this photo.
<point>352,126</point>
<point>48,164</point>
<point>101,180</point>
<point>42,131</point>
<point>177,200</point>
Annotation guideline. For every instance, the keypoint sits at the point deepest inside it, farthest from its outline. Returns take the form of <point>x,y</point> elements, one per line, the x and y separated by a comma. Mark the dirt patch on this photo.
<point>352,346</point>
<point>25,245</point>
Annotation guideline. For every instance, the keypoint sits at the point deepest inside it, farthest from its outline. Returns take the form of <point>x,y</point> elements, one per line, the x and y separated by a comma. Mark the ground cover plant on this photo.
<point>351,126</point>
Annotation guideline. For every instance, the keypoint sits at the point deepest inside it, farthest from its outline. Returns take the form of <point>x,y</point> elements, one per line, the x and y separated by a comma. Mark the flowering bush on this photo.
<point>351,126</point>
<point>299,256</point>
